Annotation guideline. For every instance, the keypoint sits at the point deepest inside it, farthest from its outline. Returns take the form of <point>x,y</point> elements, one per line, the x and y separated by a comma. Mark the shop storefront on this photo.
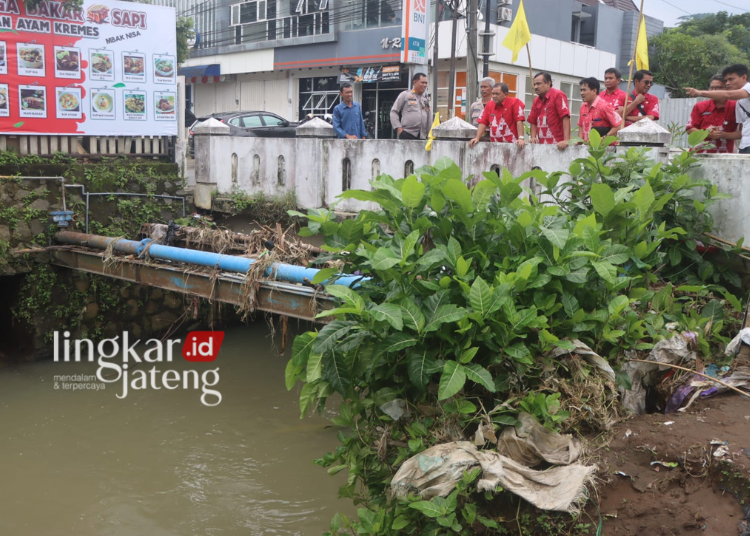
<point>375,88</point>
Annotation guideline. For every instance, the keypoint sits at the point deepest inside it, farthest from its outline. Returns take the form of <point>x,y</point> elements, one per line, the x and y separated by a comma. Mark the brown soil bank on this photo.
<point>705,493</point>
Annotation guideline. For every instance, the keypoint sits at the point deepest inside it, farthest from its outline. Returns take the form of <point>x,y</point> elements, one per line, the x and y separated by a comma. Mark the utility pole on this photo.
<point>435,61</point>
<point>486,38</point>
<point>452,81</point>
<point>472,80</point>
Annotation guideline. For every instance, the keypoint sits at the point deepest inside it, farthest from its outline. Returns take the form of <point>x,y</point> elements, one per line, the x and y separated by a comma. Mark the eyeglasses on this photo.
<point>648,82</point>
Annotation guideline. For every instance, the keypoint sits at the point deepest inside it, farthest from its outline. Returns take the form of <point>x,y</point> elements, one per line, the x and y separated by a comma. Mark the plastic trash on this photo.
<point>395,409</point>
<point>670,351</point>
<point>734,346</point>
<point>589,355</point>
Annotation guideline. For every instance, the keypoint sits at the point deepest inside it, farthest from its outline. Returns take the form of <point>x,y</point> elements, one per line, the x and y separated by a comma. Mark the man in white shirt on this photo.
<point>738,88</point>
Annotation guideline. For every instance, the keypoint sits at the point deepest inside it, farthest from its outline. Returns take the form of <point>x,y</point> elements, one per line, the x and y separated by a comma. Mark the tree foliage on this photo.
<point>184,30</point>
<point>689,55</point>
<point>683,60</point>
<point>736,28</point>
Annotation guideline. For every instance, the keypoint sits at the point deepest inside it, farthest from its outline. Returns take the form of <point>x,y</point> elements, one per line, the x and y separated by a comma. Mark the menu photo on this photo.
<point>135,105</point>
<point>3,57</point>
<point>68,101</point>
<point>133,67</point>
<point>4,101</point>
<point>164,69</point>
<point>164,106</point>
<point>31,60</point>
<point>67,62</point>
<point>101,65</point>
<point>33,101</point>
<point>103,103</point>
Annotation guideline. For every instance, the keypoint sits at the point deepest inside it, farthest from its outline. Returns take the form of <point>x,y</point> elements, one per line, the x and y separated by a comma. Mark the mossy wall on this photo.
<point>49,298</point>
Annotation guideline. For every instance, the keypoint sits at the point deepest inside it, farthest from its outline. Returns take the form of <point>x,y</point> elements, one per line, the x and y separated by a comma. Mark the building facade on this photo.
<point>290,56</point>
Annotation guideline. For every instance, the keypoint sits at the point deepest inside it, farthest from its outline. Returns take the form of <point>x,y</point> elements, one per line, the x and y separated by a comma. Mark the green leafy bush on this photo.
<point>465,291</point>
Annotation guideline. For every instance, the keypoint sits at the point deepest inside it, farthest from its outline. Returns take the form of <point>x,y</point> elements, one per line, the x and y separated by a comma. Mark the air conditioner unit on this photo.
<point>504,2</point>
<point>504,14</point>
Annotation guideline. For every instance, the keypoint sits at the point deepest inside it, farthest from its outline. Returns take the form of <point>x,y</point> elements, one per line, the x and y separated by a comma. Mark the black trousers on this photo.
<point>746,150</point>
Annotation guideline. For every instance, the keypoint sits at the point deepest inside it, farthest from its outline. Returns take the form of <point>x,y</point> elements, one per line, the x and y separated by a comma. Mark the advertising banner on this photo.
<point>108,70</point>
<point>383,73</point>
<point>415,31</point>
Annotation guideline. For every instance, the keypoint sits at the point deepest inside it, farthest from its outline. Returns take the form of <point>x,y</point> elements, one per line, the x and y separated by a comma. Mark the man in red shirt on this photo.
<point>613,96</point>
<point>550,115</point>
<point>641,103</point>
<point>718,117</point>
<point>595,113</point>
<point>504,116</point>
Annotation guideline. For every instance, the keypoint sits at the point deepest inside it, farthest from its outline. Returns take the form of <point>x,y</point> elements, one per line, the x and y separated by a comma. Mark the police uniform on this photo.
<point>411,112</point>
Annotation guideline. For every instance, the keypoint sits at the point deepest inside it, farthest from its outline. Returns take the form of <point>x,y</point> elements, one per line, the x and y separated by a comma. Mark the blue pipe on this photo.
<point>227,263</point>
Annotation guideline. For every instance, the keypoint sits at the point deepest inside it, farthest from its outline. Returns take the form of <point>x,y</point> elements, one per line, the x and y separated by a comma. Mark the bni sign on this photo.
<point>415,30</point>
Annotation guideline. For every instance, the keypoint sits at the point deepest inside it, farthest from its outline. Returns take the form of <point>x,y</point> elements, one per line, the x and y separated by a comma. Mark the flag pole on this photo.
<point>632,63</point>
<point>531,71</point>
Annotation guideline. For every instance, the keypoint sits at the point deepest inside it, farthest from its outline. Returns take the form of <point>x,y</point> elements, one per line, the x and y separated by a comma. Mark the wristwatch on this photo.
<point>521,138</point>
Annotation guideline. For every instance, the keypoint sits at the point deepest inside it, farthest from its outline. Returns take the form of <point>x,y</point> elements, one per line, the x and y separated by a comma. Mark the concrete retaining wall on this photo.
<point>728,173</point>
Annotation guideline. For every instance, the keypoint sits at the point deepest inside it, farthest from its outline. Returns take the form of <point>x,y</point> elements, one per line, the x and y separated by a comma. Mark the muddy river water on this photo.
<point>160,463</point>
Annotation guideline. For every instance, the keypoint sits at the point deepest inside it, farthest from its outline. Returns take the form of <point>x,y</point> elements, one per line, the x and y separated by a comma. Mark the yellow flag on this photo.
<point>641,52</point>
<point>430,137</point>
<point>519,33</point>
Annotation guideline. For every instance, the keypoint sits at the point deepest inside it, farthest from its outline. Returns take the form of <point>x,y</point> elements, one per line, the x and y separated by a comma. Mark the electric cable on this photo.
<point>730,5</point>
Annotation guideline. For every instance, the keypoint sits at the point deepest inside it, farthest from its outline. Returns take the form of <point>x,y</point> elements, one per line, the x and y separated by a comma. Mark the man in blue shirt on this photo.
<point>347,116</point>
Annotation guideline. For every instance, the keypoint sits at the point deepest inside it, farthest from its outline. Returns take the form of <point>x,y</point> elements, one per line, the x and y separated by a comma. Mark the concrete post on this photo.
<point>646,133</point>
<point>455,129</point>
<point>316,128</point>
<point>206,134</point>
<point>180,156</point>
<point>313,140</point>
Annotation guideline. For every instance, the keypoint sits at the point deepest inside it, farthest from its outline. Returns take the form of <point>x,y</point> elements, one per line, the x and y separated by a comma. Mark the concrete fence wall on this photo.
<point>318,170</point>
<point>729,172</point>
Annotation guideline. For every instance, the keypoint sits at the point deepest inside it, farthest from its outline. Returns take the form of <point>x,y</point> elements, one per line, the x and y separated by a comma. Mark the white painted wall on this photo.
<point>314,167</point>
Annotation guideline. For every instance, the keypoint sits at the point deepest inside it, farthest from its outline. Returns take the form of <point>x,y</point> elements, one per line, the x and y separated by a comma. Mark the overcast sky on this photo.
<point>661,9</point>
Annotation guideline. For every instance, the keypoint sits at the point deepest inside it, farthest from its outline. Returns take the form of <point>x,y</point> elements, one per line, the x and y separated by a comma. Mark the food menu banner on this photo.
<point>107,70</point>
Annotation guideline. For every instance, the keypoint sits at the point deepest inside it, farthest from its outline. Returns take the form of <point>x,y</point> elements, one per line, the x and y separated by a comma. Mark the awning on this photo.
<point>201,73</point>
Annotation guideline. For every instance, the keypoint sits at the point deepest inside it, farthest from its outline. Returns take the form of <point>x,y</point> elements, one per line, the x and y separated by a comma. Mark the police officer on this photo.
<point>410,115</point>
